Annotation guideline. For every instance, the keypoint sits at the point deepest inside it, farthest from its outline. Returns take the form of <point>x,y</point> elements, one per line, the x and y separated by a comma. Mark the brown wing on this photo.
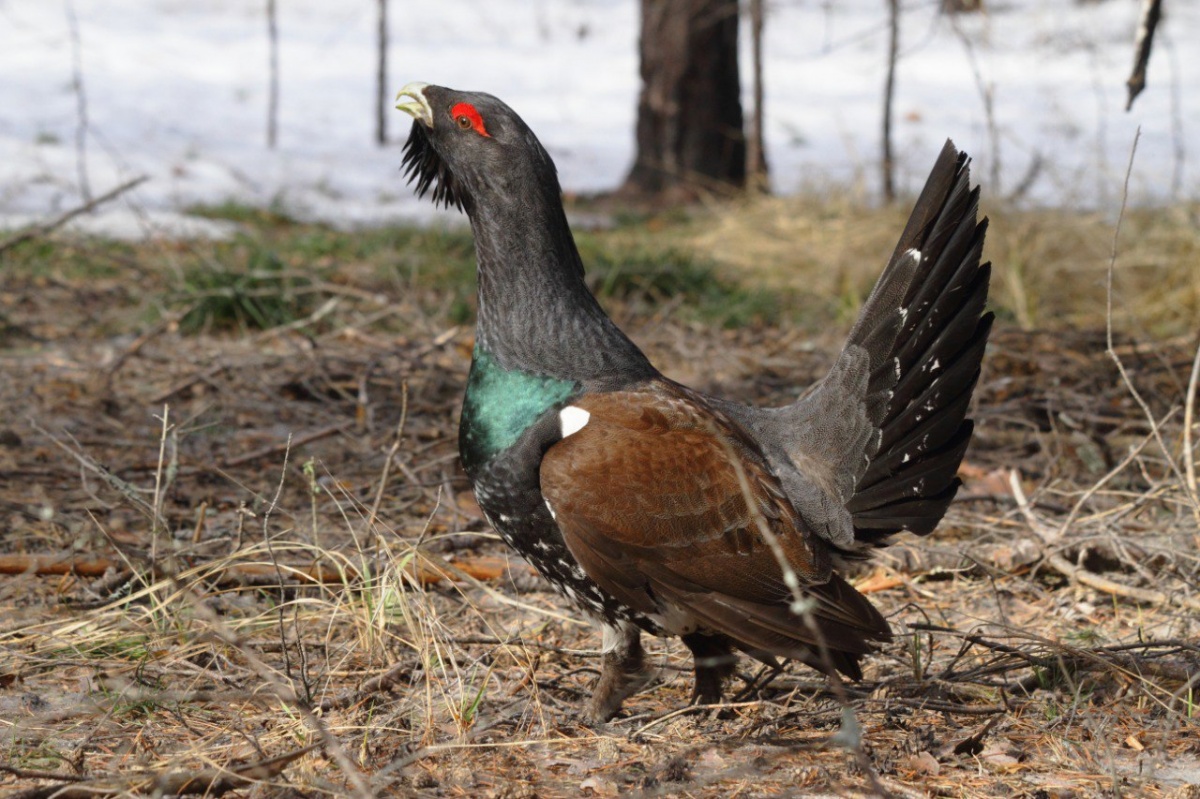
<point>661,500</point>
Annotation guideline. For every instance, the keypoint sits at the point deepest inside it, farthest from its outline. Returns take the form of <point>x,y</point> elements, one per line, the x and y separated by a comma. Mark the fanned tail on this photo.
<point>931,365</point>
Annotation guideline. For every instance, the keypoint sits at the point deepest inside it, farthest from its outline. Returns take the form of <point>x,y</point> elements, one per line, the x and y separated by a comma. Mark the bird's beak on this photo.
<point>417,106</point>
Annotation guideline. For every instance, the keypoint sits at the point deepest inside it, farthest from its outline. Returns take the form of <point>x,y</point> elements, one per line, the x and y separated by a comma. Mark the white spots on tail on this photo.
<point>573,419</point>
<point>914,256</point>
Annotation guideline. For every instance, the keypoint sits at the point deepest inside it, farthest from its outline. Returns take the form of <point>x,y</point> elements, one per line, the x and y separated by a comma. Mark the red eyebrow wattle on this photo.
<point>467,110</point>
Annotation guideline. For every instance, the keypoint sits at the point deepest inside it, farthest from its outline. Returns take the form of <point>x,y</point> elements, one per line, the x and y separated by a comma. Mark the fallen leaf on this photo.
<point>879,580</point>
<point>984,482</point>
<point>925,763</point>
<point>999,756</point>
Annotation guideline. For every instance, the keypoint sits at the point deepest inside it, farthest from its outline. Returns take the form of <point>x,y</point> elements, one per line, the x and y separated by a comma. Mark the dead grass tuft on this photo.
<point>1050,265</point>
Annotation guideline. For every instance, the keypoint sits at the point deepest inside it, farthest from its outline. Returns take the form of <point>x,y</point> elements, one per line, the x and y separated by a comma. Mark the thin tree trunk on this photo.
<point>888,166</point>
<point>1147,22</point>
<point>756,160</point>
<point>381,104</point>
<point>987,93</point>
<point>273,87</point>
<point>81,108</point>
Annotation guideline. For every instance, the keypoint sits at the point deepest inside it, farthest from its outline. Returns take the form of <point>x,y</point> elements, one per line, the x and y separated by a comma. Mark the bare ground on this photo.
<point>278,584</point>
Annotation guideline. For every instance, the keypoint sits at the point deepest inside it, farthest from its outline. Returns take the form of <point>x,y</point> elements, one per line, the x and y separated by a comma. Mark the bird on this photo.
<point>654,507</point>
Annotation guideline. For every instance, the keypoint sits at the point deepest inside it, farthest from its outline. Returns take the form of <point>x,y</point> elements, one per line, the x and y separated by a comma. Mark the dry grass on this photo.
<point>209,660</point>
<point>1050,265</point>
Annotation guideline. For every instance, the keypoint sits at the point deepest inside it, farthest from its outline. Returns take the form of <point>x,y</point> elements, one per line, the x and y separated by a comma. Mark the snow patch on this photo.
<point>178,91</point>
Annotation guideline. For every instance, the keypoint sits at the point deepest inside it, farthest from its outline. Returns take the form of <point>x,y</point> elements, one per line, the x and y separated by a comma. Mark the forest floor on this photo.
<point>238,552</point>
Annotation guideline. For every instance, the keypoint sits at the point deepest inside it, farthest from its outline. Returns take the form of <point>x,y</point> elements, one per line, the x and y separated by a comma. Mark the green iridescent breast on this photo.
<point>501,404</point>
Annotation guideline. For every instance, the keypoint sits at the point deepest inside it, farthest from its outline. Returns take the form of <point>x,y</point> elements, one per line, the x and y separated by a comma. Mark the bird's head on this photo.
<point>466,145</point>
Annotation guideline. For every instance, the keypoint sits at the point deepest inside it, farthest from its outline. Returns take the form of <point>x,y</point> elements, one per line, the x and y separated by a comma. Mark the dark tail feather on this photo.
<point>848,626</point>
<point>927,476</point>
<point>919,516</point>
<point>932,365</point>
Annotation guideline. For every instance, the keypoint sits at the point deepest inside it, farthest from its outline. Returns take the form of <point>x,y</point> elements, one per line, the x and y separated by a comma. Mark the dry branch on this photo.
<point>1084,577</point>
<point>34,231</point>
<point>377,684</point>
<point>209,781</point>
<point>1147,22</point>
<point>1189,423</point>
<point>50,564</point>
<point>280,448</point>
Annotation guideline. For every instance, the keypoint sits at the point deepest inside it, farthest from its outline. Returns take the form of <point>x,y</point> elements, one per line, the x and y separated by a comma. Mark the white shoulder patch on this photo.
<point>573,419</point>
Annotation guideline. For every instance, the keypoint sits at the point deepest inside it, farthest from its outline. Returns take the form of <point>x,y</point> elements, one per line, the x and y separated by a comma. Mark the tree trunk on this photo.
<point>756,159</point>
<point>889,91</point>
<point>1147,22</point>
<point>382,106</point>
<point>273,77</point>
<point>689,125</point>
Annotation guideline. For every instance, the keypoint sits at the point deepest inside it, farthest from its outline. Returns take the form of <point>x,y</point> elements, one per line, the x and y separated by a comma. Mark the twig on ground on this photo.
<point>298,441</point>
<point>126,489</point>
<point>1080,575</point>
<point>387,461</point>
<point>1052,537</point>
<point>42,229</point>
<point>135,347</point>
<point>377,684</point>
<point>189,381</point>
<point>427,573</point>
<point>286,693</point>
<point>1189,445</point>
<point>1108,327</point>
<point>209,781</point>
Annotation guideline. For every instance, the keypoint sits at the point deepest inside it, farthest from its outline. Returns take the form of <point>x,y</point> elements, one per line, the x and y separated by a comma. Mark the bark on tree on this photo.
<point>273,77</point>
<point>1147,21</point>
<point>889,91</point>
<point>756,158</point>
<point>382,109</point>
<point>689,122</point>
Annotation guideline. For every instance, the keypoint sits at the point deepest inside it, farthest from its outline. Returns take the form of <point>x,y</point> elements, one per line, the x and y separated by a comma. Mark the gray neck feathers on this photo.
<point>535,311</point>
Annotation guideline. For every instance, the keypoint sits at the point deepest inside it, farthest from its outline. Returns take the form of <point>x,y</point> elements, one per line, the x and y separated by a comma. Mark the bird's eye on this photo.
<point>467,117</point>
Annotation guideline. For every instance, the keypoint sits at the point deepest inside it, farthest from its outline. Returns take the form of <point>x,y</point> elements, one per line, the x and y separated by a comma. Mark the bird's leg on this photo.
<point>623,670</point>
<point>714,661</point>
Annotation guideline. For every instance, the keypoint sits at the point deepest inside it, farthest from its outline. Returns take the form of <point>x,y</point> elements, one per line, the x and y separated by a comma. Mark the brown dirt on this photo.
<point>168,454</point>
